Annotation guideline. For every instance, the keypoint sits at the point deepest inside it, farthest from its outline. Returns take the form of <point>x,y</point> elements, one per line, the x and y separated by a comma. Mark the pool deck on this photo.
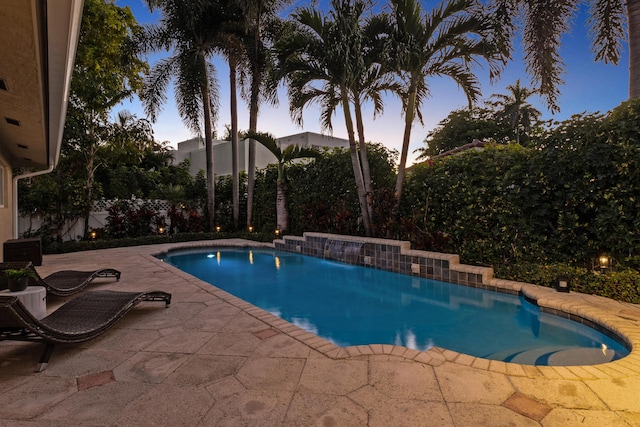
<point>211,359</point>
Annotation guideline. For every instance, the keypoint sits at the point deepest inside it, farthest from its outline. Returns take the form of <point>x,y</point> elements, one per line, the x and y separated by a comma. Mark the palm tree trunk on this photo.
<point>355,162</point>
<point>282,215</point>
<point>408,123</point>
<point>208,148</point>
<point>235,175</point>
<point>253,126</point>
<point>633,17</point>
<point>256,83</point>
<point>364,158</point>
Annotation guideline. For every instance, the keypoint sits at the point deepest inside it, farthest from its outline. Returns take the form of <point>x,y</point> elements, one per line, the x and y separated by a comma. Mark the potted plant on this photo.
<point>18,278</point>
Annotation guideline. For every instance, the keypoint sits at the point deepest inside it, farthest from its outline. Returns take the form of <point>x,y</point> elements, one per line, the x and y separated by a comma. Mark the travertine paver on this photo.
<point>149,367</point>
<point>369,397</point>
<point>167,405</point>
<point>478,414</point>
<point>249,408</point>
<point>567,393</point>
<point>328,376</point>
<point>620,394</point>
<point>225,387</point>
<point>271,373</point>
<point>231,344</point>
<point>89,407</point>
<point>180,341</point>
<point>465,384</point>
<point>405,380</point>
<point>585,418</point>
<point>243,322</point>
<point>310,409</point>
<point>125,340</point>
<point>397,412</point>
<point>77,362</point>
<point>282,346</point>
<point>211,359</point>
<point>204,369</point>
<point>36,396</point>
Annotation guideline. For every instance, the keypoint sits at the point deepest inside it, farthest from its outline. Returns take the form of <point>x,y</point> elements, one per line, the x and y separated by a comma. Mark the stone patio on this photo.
<point>211,359</point>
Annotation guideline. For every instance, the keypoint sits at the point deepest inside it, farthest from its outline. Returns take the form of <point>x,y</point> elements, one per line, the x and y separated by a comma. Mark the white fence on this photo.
<point>73,230</point>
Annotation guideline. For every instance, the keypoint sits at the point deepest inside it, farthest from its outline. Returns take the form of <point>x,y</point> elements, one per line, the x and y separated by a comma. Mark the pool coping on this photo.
<point>576,306</point>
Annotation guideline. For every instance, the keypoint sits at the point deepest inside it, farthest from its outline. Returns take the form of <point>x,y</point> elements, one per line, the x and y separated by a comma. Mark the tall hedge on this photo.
<point>573,196</point>
<point>321,194</point>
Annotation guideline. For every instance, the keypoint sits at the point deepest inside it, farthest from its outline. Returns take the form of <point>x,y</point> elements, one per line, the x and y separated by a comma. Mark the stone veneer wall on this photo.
<point>396,256</point>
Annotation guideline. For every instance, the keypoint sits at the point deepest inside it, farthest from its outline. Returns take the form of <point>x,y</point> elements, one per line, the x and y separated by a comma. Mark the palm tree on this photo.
<point>515,110</point>
<point>231,45</point>
<point>283,157</point>
<point>190,30</point>
<point>447,41</point>
<point>176,196</point>
<point>321,61</point>
<point>157,156</point>
<point>371,77</point>
<point>261,24</point>
<point>545,21</point>
<point>130,138</point>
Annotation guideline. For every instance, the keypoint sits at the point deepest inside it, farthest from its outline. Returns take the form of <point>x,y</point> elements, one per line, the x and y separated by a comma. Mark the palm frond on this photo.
<point>156,83</point>
<point>293,152</point>
<point>546,21</point>
<point>268,141</point>
<point>607,24</point>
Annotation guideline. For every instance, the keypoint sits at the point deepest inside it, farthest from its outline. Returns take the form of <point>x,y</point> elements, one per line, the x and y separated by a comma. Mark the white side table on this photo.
<point>34,298</point>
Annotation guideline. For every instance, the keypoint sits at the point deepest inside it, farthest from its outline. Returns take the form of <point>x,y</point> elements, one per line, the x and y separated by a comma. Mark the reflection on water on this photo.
<point>305,324</point>
<point>408,338</point>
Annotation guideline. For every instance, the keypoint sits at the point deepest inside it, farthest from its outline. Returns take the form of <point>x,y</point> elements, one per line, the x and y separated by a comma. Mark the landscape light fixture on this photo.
<point>218,228</point>
<point>563,284</point>
<point>93,235</point>
<point>250,228</point>
<point>604,262</point>
<point>277,232</point>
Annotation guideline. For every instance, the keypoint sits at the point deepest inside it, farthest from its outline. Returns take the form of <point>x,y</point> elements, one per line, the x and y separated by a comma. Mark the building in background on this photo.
<point>193,149</point>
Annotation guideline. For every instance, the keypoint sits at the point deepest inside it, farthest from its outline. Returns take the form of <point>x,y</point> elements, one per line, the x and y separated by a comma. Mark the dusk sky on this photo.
<point>589,86</point>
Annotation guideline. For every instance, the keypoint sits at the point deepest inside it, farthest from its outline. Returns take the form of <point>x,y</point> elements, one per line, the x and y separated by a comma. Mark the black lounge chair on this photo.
<point>66,282</point>
<point>80,319</point>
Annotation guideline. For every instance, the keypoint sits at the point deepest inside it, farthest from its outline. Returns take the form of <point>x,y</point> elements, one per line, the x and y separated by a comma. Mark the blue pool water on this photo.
<point>351,305</point>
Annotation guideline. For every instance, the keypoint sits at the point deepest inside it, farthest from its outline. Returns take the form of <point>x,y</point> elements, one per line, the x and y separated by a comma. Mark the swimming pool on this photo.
<point>352,305</point>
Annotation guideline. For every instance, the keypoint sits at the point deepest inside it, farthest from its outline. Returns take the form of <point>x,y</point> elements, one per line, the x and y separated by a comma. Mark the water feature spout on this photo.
<point>333,249</point>
<point>344,251</point>
<point>352,252</point>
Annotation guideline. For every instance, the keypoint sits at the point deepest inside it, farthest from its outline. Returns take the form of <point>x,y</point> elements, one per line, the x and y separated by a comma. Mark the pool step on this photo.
<point>556,356</point>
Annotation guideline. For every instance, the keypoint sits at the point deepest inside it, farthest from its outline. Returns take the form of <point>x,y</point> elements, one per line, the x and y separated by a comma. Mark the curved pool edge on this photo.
<point>607,313</point>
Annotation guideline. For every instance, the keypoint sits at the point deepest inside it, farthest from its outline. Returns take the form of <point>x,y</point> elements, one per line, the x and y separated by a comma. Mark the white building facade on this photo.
<point>193,149</point>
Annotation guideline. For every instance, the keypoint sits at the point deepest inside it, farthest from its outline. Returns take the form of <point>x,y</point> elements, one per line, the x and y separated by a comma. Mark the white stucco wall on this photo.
<point>193,150</point>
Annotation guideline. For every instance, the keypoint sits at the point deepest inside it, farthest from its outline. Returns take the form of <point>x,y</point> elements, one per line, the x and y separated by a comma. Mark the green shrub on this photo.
<point>619,285</point>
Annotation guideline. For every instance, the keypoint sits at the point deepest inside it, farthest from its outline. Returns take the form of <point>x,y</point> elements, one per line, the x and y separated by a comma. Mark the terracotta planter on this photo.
<point>17,285</point>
